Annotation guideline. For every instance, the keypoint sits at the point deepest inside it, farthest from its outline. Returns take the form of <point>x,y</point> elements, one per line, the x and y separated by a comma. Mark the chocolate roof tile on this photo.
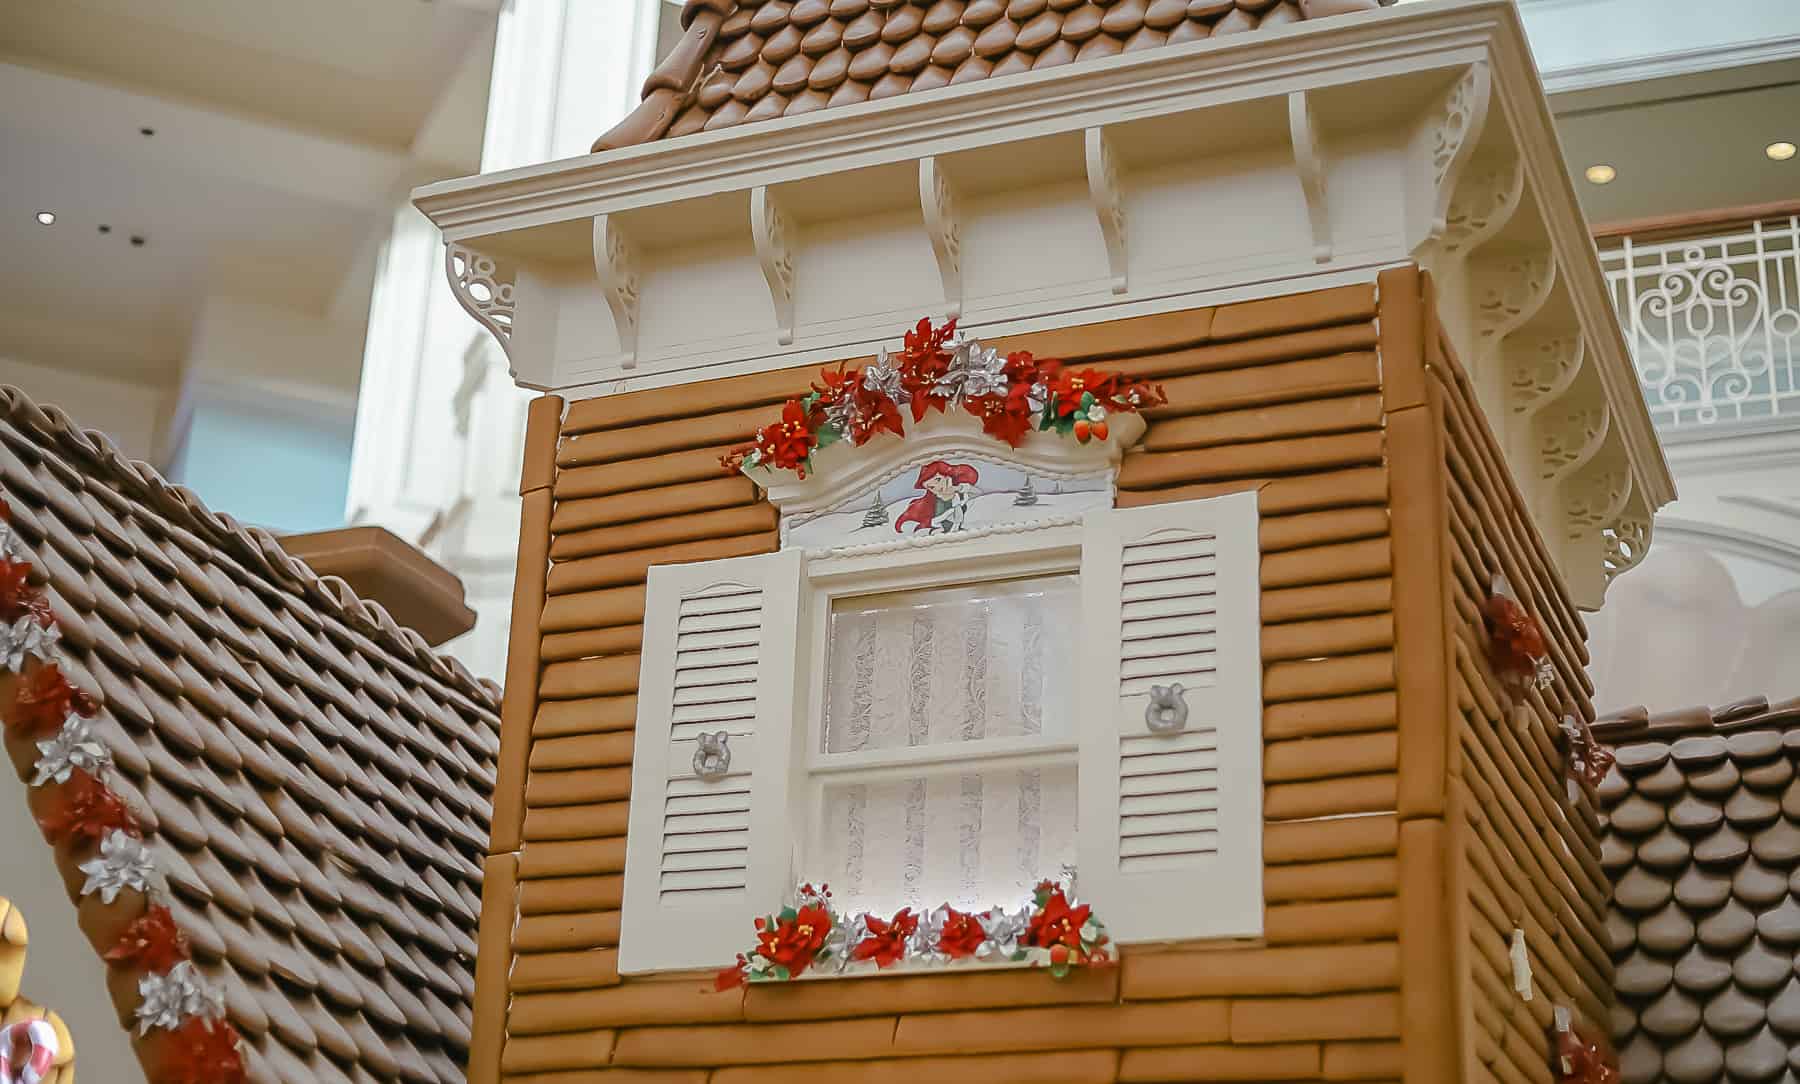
<point>1707,980</point>
<point>762,41</point>
<point>250,706</point>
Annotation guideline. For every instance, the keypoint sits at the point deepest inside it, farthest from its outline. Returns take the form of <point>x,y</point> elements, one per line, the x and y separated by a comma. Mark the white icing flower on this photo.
<point>73,747</point>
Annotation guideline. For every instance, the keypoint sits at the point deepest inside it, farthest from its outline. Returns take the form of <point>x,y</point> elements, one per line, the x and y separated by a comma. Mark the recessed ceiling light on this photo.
<point>1779,152</point>
<point>46,218</point>
<point>1601,174</point>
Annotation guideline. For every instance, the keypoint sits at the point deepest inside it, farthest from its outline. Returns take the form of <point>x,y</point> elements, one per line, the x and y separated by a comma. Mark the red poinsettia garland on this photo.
<point>45,707</point>
<point>810,935</point>
<point>935,370</point>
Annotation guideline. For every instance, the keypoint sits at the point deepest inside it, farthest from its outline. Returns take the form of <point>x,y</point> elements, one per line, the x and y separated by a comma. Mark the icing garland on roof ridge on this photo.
<point>39,704</point>
<point>251,546</point>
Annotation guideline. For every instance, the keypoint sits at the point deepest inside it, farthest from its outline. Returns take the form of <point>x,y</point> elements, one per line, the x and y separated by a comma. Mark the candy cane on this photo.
<point>41,1038</point>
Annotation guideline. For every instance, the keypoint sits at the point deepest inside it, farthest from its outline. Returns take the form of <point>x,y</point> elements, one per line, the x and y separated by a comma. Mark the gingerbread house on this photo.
<point>249,809</point>
<point>1188,605</point>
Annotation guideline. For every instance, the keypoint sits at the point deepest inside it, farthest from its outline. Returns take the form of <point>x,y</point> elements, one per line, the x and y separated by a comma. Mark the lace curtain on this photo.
<point>952,665</point>
<point>946,667</point>
<point>972,839</point>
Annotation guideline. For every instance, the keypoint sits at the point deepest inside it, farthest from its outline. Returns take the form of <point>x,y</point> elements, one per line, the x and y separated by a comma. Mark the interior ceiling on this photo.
<point>366,71</point>
<point>1696,143</point>
<point>284,134</point>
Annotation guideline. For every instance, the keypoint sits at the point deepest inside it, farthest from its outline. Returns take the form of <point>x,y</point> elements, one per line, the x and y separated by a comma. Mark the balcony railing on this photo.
<point>1713,323</point>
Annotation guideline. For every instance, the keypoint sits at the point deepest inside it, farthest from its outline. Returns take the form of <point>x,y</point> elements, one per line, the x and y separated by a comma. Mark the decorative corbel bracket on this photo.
<point>1482,204</point>
<point>1570,437</point>
<point>1309,164</point>
<point>1628,539</point>
<point>775,236</point>
<point>484,289</point>
<point>1543,369</point>
<point>1446,144</point>
<point>1105,187</point>
<point>616,265</point>
<point>937,198</point>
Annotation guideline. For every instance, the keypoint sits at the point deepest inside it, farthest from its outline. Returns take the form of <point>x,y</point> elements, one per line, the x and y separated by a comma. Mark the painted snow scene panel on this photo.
<point>943,497</point>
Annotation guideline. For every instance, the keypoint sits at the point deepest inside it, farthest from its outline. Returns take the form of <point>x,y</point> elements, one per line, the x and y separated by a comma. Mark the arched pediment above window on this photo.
<point>944,477</point>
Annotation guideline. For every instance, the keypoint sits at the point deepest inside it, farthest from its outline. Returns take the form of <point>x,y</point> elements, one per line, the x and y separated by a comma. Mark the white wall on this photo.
<point>62,970</point>
<point>128,413</point>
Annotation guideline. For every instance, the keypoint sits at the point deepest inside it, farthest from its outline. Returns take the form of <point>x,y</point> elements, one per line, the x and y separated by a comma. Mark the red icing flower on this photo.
<point>85,812</point>
<point>1056,923</point>
<point>1070,385</point>
<point>18,597</point>
<point>923,360</point>
<point>201,1051</point>
<point>730,978</point>
<point>886,941</point>
<point>961,936</point>
<point>1515,642</point>
<point>1583,1058</point>
<point>870,412</point>
<point>792,943</point>
<point>789,442</point>
<point>151,943</point>
<point>43,701</point>
<point>1005,417</point>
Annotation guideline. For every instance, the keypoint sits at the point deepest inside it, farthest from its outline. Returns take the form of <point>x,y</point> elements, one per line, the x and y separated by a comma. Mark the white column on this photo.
<point>440,424</point>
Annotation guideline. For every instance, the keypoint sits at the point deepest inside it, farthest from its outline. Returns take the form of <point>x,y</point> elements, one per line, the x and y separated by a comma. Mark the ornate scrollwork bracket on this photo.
<point>616,266</point>
<point>937,198</point>
<point>1447,142</point>
<point>1627,541</point>
<point>1543,370</point>
<point>1309,164</point>
<point>484,289</point>
<point>1106,189</point>
<point>774,234</point>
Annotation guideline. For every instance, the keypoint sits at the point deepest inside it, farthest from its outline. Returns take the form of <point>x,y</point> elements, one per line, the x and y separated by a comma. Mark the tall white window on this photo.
<point>952,721</point>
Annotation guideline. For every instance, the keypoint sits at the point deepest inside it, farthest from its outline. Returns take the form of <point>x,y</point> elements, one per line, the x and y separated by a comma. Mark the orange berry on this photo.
<point>1059,955</point>
<point>1099,430</point>
<point>1082,429</point>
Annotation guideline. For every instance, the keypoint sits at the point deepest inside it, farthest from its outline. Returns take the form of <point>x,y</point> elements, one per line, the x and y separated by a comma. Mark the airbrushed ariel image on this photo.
<point>945,496</point>
<point>944,505</point>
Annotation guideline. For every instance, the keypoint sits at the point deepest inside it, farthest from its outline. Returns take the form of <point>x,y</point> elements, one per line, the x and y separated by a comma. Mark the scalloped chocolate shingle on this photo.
<point>1010,36</point>
<point>1725,783</point>
<point>247,704</point>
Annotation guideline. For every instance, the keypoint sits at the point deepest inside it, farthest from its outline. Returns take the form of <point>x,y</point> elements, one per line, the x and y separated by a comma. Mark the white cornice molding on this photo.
<point>1167,79</point>
<point>1332,148</point>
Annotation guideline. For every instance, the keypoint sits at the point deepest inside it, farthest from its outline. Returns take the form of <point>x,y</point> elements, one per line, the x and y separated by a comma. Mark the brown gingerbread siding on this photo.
<point>1286,394</point>
<point>1522,856</point>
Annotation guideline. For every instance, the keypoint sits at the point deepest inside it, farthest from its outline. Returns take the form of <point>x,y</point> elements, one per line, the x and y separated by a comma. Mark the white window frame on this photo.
<point>942,561</point>
<point>1194,898</point>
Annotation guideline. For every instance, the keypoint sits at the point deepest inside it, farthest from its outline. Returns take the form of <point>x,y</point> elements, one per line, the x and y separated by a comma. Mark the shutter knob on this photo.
<point>712,758</point>
<point>1167,711</point>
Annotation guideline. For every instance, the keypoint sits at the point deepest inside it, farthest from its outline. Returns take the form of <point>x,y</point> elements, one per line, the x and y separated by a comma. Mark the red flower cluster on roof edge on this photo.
<point>1051,931</point>
<point>193,1044</point>
<point>936,370</point>
<point>1516,644</point>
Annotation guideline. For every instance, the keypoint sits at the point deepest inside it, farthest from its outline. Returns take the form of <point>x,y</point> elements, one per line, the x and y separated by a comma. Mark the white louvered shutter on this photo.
<point>705,856</point>
<point>1170,833</point>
